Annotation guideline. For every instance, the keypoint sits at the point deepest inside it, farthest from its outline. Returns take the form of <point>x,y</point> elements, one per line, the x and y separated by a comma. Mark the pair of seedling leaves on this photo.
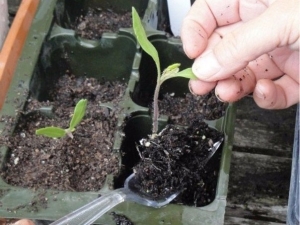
<point>57,132</point>
<point>171,71</point>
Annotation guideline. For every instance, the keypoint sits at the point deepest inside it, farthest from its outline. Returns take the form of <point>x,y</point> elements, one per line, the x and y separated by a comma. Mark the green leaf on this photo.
<point>53,132</point>
<point>187,73</point>
<point>143,40</point>
<point>172,67</point>
<point>79,113</point>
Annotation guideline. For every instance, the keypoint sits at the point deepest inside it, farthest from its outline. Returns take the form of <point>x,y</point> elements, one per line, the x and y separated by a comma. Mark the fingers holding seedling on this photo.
<point>237,86</point>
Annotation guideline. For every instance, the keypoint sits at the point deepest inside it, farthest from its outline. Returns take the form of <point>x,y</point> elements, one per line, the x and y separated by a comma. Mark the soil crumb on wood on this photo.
<point>121,219</point>
<point>98,21</point>
<point>171,162</point>
<point>78,164</point>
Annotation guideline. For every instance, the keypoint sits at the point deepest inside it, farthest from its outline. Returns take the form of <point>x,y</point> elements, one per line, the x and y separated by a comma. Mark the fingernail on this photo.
<point>218,97</point>
<point>190,88</point>
<point>206,66</point>
<point>259,93</point>
<point>18,223</point>
<point>186,52</point>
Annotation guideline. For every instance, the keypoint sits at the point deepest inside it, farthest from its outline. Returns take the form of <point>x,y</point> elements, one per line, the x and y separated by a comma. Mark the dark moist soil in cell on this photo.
<point>98,21</point>
<point>172,161</point>
<point>121,219</point>
<point>182,111</point>
<point>78,164</point>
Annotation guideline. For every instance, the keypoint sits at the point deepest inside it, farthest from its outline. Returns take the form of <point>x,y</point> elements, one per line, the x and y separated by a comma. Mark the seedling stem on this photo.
<point>170,72</point>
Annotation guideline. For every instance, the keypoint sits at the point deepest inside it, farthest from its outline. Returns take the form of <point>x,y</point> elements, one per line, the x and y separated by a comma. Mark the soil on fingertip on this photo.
<point>78,164</point>
<point>98,21</point>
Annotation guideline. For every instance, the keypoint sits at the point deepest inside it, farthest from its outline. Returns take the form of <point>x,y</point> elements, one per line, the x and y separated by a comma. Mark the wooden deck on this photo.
<point>260,165</point>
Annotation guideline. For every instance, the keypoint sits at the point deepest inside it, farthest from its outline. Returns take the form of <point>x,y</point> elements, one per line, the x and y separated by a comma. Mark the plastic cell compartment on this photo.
<point>67,12</point>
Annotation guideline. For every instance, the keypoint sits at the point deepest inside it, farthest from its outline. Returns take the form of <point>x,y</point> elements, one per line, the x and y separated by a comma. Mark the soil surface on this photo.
<point>78,164</point>
<point>172,161</point>
<point>98,21</point>
<point>121,219</point>
<point>183,111</point>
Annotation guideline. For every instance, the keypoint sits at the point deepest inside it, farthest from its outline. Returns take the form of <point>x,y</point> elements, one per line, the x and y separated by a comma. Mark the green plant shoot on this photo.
<point>57,132</point>
<point>170,72</point>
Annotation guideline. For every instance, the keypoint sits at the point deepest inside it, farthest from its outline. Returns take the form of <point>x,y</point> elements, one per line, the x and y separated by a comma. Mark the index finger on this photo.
<point>203,18</point>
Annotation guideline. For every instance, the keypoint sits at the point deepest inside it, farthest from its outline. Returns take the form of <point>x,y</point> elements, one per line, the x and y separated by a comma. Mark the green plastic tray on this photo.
<point>42,63</point>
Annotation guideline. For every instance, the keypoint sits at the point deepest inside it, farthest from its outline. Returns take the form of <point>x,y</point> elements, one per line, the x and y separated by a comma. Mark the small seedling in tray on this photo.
<point>57,132</point>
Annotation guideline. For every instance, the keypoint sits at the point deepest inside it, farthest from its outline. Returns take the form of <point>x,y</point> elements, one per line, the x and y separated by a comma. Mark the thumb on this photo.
<point>276,27</point>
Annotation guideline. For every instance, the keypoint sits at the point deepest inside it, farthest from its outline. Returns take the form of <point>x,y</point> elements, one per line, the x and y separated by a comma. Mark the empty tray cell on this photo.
<point>103,60</point>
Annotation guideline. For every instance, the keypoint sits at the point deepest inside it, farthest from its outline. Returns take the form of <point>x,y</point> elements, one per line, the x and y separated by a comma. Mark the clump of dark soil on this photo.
<point>182,111</point>
<point>172,161</point>
<point>98,21</point>
<point>78,164</point>
<point>121,219</point>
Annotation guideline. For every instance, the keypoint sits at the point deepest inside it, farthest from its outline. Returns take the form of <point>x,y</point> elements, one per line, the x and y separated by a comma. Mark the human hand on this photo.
<point>244,46</point>
<point>24,222</point>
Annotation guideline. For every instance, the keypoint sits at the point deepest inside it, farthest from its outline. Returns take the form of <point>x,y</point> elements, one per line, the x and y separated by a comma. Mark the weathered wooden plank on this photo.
<point>274,119</point>
<point>258,187</point>
<point>264,131</point>
<point>261,165</point>
<point>241,221</point>
<point>255,135</point>
<point>276,214</point>
<point>256,178</point>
